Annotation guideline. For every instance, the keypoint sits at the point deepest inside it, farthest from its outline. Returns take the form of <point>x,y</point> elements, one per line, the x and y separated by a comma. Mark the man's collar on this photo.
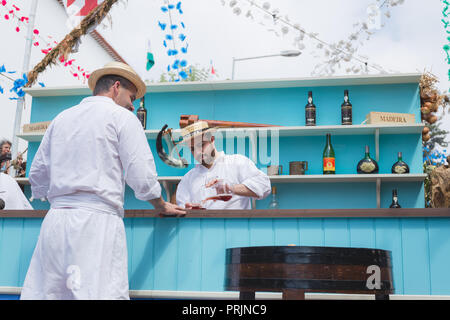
<point>97,99</point>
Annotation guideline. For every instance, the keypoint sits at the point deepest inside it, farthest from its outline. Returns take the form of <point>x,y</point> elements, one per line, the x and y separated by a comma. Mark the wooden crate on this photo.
<point>390,117</point>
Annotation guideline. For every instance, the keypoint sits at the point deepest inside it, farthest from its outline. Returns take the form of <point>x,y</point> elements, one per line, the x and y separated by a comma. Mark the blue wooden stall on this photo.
<point>188,254</point>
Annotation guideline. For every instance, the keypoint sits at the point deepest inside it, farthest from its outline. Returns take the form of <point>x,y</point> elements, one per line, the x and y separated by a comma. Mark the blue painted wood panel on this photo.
<point>189,254</point>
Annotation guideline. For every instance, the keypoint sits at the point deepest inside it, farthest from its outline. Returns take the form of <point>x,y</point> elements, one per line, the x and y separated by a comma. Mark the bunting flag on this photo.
<point>150,59</point>
<point>80,8</point>
<point>12,14</point>
<point>175,39</point>
<point>212,68</point>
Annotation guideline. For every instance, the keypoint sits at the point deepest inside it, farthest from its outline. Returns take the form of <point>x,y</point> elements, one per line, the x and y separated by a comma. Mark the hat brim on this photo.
<point>135,79</point>
<point>187,140</point>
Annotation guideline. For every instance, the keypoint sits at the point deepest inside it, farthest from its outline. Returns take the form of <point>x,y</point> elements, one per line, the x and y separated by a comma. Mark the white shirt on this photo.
<point>88,153</point>
<point>11,193</point>
<point>235,169</point>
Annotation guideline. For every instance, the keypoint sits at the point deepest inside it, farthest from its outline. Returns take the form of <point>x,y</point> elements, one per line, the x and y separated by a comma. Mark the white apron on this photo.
<point>88,257</point>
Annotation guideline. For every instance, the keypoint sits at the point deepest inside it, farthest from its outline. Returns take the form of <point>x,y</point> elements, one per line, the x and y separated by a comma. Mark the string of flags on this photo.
<point>12,13</point>
<point>174,42</point>
<point>446,22</point>
<point>18,84</point>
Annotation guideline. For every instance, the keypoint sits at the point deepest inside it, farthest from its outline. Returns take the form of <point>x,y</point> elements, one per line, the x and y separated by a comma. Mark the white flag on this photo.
<point>78,9</point>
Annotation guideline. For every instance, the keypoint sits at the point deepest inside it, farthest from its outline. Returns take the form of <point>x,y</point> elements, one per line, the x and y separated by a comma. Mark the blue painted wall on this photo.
<point>189,254</point>
<point>285,106</point>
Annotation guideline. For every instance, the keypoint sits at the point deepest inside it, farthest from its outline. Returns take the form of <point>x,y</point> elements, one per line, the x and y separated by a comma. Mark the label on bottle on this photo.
<point>346,114</point>
<point>142,118</point>
<point>329,164</point>
<point>310,116</point>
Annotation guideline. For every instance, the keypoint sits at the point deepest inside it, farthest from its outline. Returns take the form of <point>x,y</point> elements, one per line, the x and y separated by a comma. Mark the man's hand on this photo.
<point>193,206</point>
<point>166,208</point>
<point>221,186</point>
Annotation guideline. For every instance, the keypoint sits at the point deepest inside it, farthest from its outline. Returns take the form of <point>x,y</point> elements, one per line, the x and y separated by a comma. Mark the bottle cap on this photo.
<point>274,190</point>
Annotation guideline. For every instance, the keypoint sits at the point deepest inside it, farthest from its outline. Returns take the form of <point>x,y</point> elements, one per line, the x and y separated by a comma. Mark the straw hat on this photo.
<point>118,69</point>
<point>195,130</point>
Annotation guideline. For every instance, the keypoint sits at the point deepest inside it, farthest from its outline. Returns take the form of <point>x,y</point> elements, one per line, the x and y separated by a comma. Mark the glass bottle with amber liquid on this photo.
<point>310,111</point>
<point>346,110</point>
<point>141,113</point>
<point>394,203</point>
<point>367,165</point>
<point>400,167</point>
<point>329,159</point>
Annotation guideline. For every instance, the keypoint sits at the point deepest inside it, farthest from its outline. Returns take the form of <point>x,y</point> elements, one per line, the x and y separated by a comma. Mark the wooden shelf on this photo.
<point>314,178</point>
<point>286,213</point>
<point>296,131</point>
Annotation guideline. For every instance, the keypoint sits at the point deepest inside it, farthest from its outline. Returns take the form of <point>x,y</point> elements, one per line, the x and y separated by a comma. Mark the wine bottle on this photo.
<point>310,111</point>
<point>141,113</point>
<point>400,166</point>
<point>367,165</point>
<point>346,110</point>
<point>274,202</point>
<point>394,203</point>
<point>329,159</point>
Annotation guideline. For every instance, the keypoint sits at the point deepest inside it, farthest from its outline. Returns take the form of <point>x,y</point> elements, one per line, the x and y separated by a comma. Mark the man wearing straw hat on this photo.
<point>218,173</point>
<point>85,158</point>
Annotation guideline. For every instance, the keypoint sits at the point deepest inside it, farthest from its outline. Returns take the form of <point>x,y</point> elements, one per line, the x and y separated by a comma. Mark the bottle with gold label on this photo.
<point>329,160</point>
<point>141,113</point>
<point>400,167</point>
<point>367,165</point>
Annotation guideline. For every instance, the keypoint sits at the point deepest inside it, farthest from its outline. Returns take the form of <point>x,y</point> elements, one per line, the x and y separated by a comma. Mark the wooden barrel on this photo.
<point>295,270</point>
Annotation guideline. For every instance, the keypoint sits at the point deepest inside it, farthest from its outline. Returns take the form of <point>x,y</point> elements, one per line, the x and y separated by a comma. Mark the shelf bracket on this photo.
<point>377,144</point>
<point>166,186</point>
<point>378,193</point>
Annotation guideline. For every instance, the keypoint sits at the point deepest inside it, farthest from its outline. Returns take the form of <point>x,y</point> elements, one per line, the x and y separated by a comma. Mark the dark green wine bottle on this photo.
<point>400,167</point>
<point>367,165</point>
<point>329,159</point>
<point>394,203</point>
<point>346,110</point>
<point>310,111</point>
<point>141,113</point>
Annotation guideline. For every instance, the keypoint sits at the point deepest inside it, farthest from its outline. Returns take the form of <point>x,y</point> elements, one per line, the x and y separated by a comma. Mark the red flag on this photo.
<point>81,7</point>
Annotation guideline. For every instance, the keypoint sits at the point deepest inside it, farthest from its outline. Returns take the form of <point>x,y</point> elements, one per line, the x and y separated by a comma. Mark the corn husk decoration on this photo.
<point>430,101</point>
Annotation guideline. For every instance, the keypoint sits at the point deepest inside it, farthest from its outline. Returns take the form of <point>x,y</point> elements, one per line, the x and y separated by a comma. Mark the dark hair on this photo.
<point>106,82</point>
<point>5,142</point>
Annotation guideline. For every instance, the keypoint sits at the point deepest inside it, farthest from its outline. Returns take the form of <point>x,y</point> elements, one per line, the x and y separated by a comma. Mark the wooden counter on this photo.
<point>285,213</point>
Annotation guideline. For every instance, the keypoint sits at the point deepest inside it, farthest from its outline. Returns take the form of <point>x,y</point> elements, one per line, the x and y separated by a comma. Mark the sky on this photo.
<point>411,40</point>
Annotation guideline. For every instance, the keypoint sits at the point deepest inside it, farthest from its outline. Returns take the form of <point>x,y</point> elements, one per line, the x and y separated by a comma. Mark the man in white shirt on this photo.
<point>11,195</point>
<point>218,173</point>
<point>85,158</point>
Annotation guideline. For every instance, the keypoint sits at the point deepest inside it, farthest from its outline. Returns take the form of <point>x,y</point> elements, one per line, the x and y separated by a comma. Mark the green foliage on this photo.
<point>195,73</point>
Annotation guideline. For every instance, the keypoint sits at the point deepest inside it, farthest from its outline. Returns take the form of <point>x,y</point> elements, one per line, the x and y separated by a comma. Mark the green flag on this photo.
<point>150,59</point>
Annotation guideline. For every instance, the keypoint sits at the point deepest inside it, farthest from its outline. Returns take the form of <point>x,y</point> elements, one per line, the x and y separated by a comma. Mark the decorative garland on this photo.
<point>334,54</point>
<point>40,41</point>
<point>446,22</point>
<point>175,40</point>
<point>18,84</point>
<point>65,47</point>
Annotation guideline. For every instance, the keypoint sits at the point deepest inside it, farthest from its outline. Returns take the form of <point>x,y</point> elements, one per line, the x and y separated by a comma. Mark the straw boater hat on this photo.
<point>195,130</point>
<point>118,69</point>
